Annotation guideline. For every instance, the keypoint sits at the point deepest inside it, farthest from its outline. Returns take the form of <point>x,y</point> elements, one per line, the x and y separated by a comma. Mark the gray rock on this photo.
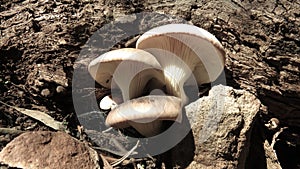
<point>221,124</point>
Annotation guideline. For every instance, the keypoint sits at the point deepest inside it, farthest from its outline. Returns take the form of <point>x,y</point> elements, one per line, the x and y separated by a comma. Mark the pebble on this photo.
<point>45,92</point>
<point>60,89</point>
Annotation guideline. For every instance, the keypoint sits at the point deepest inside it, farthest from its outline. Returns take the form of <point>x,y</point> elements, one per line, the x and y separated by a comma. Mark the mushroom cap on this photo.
<point>103,67</point>
<point>145,110</point>
<point>198,48</point>
<point>129,69</point>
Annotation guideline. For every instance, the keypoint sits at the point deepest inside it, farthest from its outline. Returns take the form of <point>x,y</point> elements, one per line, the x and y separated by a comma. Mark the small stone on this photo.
<point>21,93</point>
<point>62,41</point>
<point>60,89</point>
<point>108,12</point>
<point>45,92</point>
<point>272,124</point>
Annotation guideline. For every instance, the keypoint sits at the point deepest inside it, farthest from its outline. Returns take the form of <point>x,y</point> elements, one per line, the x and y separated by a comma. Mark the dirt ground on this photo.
<point>41,40</point>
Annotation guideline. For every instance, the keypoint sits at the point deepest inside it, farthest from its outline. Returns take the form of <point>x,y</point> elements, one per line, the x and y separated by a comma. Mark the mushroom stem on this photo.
<point>199,50</point>
<point>132,83</point>
<point>148,129</point>
<point>175,71</point>
<point>138,86</point>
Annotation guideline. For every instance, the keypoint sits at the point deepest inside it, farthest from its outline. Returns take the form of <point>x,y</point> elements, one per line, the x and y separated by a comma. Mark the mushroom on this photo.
<point>145,114</point>
<point>107,103</point>
<point>129,69</point>
<point>135,72</point>
<point>181,50</point>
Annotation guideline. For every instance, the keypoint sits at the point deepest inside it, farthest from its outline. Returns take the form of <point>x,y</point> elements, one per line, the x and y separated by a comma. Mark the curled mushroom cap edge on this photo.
<point>145,114</point>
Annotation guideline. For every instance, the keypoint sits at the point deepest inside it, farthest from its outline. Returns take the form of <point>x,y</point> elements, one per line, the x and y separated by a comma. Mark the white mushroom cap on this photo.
<point>196,47</point>
<point>145,113</point>
<point>129,68</point>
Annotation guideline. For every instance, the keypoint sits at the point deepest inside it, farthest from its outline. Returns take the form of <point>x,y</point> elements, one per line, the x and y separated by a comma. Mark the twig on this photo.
<point>119,161</point>
<point>132,161</point>
<point>10,131</point>
<point>118,145</point>
<point>107,130</point>
<point>106,164</point>
<point>122,151</point>
<point>274,140</point>
<point>149,156</point>
<point>108,150</point>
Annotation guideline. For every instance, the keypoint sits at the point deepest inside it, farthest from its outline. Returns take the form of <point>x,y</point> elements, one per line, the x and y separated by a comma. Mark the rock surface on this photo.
<point>45,149</point>
<point>221,124</point>
<point>271,157</point>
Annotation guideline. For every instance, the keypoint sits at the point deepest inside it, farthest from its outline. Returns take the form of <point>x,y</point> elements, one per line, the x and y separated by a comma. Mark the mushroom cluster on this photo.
<point>165,58</point>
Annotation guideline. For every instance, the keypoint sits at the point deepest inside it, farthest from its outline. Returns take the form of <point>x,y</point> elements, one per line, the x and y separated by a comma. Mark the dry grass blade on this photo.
<point>119,161</point>
<point>40,116</point>
<point>10,131</point>
<point>106,164</point>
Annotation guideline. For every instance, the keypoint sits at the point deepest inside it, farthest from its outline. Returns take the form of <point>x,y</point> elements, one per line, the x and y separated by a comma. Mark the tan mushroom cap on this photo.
<point>129,68</point>
<point>145,113</point>
<point>198,48</point>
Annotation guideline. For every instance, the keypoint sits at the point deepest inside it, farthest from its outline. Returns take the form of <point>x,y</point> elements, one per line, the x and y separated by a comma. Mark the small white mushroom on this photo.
<point>107,103</point>
<point>145,114</point>
<point>181,50</point>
